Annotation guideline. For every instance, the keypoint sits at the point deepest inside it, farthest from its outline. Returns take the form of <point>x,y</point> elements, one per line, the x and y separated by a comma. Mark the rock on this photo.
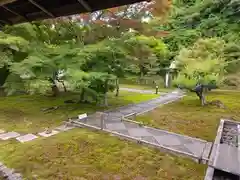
<point>217,103</point>
<point>48,131</point>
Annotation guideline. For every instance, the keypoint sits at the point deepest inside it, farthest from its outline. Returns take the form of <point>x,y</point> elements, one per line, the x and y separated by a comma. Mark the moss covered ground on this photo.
<point>87,155</point>
<point>188,117</point>
<point>81,154</point>
<point>24,113</point>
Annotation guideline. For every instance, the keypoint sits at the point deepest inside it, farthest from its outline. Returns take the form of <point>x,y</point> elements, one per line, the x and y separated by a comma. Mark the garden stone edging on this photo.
<point>9,174</point>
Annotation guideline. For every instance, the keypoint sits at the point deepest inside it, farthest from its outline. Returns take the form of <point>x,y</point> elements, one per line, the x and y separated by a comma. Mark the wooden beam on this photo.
<point>42,8</point>
<point>2,2</point>
<point>85,5</point>
<point>3,22</point>
<point>13,12</point>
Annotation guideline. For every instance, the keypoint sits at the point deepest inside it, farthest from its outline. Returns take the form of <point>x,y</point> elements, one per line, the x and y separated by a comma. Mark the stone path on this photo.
<point>113,122</point>
<point>140,91</point>
<point>29,137</point>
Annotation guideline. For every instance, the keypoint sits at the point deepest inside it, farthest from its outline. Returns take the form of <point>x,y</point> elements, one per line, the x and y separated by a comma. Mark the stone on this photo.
<point>64,128</point>
<point>115,126</point>
<point>168,140</point>
<point>44,134</point>
<point>48,131</point>
<point>150,139</point>
<point>196,148</point>
<point>8,172</point>
<point>124,132</point>
<point>9,135</point>
<point>26,138</point>
<point>82,116</point>
<point>138,132</point>
<point>2,131</point>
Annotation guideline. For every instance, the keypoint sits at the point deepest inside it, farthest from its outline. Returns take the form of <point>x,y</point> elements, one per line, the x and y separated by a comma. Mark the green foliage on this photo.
<point>190,20</point>
<point>203,63</point>
<point>232,81</point>
<point>148,54</point>
<point>93,54</point>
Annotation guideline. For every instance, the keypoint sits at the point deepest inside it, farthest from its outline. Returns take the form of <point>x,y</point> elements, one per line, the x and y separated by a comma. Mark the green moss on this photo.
<point>24,113</point>
<point>188,117</point>
<point>92,155</point>
<point>79,153</point>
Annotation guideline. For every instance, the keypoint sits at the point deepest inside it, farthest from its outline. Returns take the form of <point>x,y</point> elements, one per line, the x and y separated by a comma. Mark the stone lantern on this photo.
<point>170,72</point>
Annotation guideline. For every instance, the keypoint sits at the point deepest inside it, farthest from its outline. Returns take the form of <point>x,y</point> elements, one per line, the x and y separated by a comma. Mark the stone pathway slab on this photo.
<point>64,128</point>
<point>116,126</point>
<point>138,132</point>
<point>195,147</point>
<point>9,135</point>
<point>26,138</point>
<point>168,140</point>
<point>44,134</point>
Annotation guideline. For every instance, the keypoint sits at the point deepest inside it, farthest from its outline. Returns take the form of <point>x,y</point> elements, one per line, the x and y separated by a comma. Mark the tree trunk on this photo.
<point>65,89</point>
<point>55,89</point>
<point>117,87</point>
<point>201,97</point>
<point>203,100</point>
<point>4,72</point>
<point>82,95</point>
<point>63,84</point>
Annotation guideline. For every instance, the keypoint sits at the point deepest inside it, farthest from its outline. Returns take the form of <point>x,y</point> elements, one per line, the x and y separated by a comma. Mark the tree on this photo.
<point>56,45</point>
<point>115,21</point>
<point>201,67</point>
<point>144,52</point>
<point>189,20</point>
<point>92,84</point>
<point>12,49</point>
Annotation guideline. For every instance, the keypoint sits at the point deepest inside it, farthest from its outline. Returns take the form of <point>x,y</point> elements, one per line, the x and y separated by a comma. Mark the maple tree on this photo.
<point>120,19</point>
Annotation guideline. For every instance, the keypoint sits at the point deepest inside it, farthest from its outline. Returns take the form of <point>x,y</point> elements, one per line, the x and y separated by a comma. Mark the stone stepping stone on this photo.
<point>9,135</point>
<point>45,134</point>
<point>64,128</point>
<point>26,138</point>
<point>2,131</point>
